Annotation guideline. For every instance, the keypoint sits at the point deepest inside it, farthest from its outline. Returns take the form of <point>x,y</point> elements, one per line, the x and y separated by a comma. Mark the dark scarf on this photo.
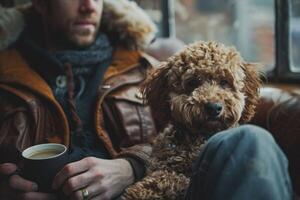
<point>74,77</point>
<point>83,60</point>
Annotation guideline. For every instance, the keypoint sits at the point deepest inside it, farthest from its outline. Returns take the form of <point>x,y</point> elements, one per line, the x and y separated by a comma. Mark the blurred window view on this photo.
<point>295,36</point>
<point>248,25</point>
<point>154,10</point>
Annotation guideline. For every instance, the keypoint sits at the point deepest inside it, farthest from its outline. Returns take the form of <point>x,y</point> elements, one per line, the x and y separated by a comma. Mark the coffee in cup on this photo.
<point>45,154</point>
<point>42,162</point>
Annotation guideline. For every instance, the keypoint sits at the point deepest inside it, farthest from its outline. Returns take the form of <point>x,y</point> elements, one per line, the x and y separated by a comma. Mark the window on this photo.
<point>264,31</point>
<point>295,36</point>
<point>246,24</point>
<point>154,10</point>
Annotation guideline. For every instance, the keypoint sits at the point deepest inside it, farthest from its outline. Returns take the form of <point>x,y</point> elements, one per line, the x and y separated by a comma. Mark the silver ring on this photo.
<point>84,193</point>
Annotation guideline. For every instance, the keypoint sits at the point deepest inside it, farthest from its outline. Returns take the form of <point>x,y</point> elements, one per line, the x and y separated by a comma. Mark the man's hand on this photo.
<point>103,179</point>
<point>18,187</point>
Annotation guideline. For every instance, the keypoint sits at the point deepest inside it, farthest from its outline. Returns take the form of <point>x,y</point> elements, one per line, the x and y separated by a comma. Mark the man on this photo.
<point>75,81</point>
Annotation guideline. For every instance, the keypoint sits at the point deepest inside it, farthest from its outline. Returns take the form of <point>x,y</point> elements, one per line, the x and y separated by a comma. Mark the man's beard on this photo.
<point>64,41</point>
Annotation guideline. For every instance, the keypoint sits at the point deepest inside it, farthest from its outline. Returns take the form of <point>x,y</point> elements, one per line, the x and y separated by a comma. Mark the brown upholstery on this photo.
<point>279,112</point>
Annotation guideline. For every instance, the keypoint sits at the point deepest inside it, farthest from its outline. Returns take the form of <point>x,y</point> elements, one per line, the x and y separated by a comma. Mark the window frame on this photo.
<point>168,19</point>
<point>283,58</point>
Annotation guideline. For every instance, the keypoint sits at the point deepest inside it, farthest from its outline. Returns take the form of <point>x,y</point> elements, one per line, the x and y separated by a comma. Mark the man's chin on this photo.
<point>82,42</point>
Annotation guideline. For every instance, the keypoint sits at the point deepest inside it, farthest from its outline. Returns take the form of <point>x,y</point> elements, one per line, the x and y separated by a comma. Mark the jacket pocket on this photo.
<point>128,120</point>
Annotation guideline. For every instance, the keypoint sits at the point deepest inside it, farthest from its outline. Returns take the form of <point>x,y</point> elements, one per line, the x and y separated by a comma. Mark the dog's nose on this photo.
<point>213,109</point>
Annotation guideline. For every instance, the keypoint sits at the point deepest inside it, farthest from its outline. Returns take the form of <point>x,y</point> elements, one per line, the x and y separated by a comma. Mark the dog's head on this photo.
<point>205,88</point>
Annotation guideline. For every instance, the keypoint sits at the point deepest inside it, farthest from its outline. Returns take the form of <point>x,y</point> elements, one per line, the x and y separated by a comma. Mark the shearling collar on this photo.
<point>130,26</point>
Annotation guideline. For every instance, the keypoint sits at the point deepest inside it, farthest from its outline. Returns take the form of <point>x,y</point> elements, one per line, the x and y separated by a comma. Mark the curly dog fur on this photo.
<point>205,88</point>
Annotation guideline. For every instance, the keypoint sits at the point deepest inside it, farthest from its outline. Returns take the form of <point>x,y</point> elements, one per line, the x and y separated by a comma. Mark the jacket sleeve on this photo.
<point>138,156</point>
<point>14,136</point>
<point>14,128</point>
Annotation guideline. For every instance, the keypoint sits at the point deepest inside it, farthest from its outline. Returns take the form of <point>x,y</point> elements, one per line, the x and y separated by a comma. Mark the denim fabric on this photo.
<point>241,163</point>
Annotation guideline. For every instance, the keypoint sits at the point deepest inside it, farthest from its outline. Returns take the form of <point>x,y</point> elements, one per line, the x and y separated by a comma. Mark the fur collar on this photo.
<point>11,25</point>
<point>123,20</point>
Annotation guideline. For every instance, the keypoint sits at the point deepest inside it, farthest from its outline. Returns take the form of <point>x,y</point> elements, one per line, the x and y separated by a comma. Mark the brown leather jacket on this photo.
<point>29,113</point>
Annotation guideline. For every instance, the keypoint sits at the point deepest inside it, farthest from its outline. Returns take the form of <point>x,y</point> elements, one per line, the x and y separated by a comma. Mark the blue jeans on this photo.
<point>241,163</point>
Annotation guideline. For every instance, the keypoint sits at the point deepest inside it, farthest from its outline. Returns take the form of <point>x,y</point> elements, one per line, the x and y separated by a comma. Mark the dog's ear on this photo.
<point>252,84</point>
<point>155,92</point>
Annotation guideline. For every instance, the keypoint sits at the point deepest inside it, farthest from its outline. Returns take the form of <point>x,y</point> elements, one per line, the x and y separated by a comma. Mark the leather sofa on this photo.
<point>279,113</point>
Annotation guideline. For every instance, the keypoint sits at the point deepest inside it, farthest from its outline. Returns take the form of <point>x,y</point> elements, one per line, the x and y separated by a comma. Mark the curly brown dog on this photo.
<point>204,89</point>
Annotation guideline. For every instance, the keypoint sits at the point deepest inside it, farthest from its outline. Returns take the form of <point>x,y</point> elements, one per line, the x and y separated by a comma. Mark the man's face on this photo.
<point>73,23</point>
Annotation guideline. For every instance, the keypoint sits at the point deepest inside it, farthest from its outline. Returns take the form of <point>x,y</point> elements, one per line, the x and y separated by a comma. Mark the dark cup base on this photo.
<point>43,172</point>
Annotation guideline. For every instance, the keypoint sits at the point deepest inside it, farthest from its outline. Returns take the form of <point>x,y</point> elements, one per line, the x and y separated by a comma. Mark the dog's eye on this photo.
<point>224,83</point>
<point>175,85</point>
<point>191,84</point>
